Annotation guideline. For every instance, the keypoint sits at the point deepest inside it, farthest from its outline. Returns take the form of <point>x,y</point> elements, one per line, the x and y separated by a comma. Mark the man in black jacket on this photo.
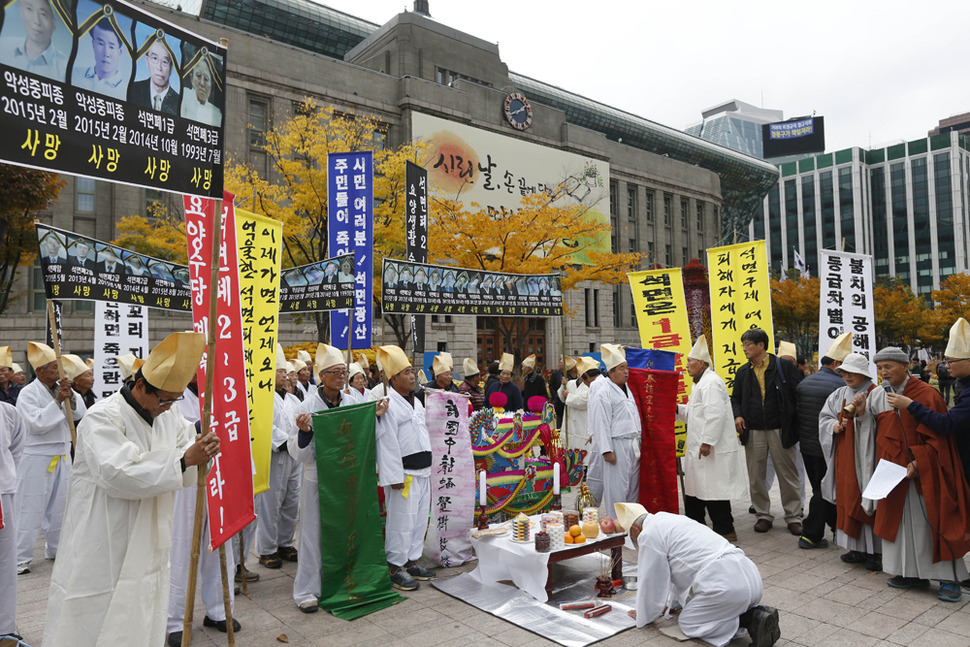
<point>764,414</point>
<point>812,393</point>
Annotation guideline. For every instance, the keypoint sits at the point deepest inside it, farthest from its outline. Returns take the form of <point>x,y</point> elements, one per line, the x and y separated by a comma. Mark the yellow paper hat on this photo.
<point>39,354</point>
<point>6,357</point>
<point>392,360</point>
<point>73,366</point>
<point>469,367</point>
<point>613,355</point>
<point>280,358</point>
<point>304,357</point>
<point>530,362</point>
<point>958,347</point>
<point>171,365</point>
<point>701,351</point>
<point>355,369</point>
<point>327,357</point>
<point>137,364</point>
<point>298,365</point>
<point>586,364</point>
<point>15,367</point>
<point>507,363</point>
<point>841,347</point>
<point>422,377</point>
<point>363,361</point>
<point>627,513</point>
<point>90,362</point>
<point>125,365</point>
<point>569,364</point>
<point>787,349</point>
<point>442,363</point>
<point>290,368</point>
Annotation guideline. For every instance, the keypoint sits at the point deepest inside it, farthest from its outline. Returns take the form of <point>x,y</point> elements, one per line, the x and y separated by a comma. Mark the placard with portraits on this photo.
<point>316,287</point>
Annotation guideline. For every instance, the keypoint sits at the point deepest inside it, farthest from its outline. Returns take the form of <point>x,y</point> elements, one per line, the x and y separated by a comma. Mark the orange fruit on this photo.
<point>575,531</point>
<point>579,539</point>
<point>568,538</point>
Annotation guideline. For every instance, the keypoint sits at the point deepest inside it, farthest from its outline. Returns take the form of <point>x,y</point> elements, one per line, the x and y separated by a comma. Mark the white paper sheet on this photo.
<point>884,479</point>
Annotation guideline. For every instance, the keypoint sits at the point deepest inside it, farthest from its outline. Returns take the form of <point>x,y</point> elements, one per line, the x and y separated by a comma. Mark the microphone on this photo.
<point>887,386</point>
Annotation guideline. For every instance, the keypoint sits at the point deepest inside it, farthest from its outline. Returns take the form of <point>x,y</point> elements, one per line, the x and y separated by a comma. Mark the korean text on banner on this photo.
<point>654,392</point>
<point>740,301</point>
<point>259,279</point>
<point>845,302</point>
<point>119,329</point>
<point>658,296</point>
<point>350,204</point>
<point>229,487</point>
<point>354,565</point>
<point>452,479</point>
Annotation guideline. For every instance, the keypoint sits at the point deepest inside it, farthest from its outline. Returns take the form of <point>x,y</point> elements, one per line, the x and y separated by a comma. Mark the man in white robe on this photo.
<point>615,424</point>
<point>46,464</point>
<point>714,468</point>
<point>12,437</point>
<point>110,582</point>
<point>682,564</point>
<point>575,396</point>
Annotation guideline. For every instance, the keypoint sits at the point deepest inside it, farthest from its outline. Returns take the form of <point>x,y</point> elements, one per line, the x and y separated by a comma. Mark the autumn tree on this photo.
<point>161,235</point>
<point>795,311</point>
<point>25,192</point>
<point>903,318</point>
<point>953,299</point>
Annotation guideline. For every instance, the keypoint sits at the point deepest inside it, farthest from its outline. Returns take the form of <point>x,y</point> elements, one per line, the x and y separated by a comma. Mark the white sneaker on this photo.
<point>23,569</point>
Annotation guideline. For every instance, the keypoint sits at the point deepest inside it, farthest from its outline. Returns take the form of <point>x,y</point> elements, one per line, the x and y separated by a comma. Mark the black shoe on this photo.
<point>309,607</point>
<point>401,580</point>
<point>808,544</point>
<point>175,639</point>
<point>221,625</point>
<point>853,557</point>
<point>874,562</point>
<point>419,573</point>
<point>751,510</point>
<point>250,576</point>
<point>287,553</point>
<point>763,629</point>
<point>271,561</point>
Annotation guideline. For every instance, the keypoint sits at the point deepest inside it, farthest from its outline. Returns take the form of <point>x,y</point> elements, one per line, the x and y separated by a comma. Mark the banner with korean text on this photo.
<point>452,479</point>
<point>109,91</point>
<point>658,297</point>
<point>845,302</point>
<point>740,301</point>
<point>654,392</point>
<point>416,230</point>
<point>350,205</point>
<point>229,487</point>
<point>259,279</point>
<point>315,287</point>
<point>119,329</point>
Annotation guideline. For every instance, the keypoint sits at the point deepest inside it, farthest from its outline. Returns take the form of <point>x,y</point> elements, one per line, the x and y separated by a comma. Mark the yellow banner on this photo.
<point>658,296</point>
<point>259,279</point>
<point>740,301</point>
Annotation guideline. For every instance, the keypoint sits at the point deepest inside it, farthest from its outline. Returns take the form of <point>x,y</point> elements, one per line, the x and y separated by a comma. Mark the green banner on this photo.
<point>353,574</point>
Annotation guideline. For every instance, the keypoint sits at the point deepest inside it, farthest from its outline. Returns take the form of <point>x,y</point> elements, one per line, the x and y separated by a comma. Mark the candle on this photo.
<point>481,489</point>
<point>555,478</point>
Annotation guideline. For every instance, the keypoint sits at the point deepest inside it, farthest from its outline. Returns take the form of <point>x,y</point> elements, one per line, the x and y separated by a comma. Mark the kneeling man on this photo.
<point>683,563</point>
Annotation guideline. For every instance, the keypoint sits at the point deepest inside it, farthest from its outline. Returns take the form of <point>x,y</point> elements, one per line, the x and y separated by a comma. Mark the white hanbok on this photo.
<point>575,396</point>
<point>110,583</point>
<point>615,424</point>
<point>12,438</point>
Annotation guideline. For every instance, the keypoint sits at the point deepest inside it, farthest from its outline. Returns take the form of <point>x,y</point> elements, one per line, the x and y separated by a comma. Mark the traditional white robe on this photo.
<point>12,436</point>
<point>110,583</point>
<point>615,424</point>
<point>576,398</point>
<point>682,563</point>
<point>723,474</point>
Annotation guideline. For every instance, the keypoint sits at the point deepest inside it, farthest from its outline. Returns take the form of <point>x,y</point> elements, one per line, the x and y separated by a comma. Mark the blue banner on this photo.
<point>350,204</point>
<point>792,129</point>
<point>660,360</point>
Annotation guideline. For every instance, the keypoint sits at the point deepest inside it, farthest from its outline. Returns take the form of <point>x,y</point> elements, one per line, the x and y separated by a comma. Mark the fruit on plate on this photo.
<point>579,539</point>
<point>591,529</point>
<point>607,526</point>
<point>575,531</point>
<point>617,527</point>
<point>568,539</point>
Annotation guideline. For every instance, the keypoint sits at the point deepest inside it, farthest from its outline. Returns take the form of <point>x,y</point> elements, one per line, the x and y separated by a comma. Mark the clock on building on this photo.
<point>518,111</point>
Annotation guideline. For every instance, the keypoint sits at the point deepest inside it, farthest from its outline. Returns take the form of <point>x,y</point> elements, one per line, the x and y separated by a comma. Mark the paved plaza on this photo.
<point>821,601</point>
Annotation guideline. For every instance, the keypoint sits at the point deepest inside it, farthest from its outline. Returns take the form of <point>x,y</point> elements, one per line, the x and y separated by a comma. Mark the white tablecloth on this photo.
<point>500,558</point>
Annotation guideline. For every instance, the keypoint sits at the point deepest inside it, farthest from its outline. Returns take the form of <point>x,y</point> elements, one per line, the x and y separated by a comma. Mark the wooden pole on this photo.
<point>565,378</point>
<point>230,632</point>
<point>206,419</point>
<point>60,371</point>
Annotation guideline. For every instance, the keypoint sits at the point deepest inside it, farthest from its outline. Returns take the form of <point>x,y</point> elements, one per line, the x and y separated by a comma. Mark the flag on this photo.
<point>354,576</point>
<point>655,393</point>
<point>800,264</point>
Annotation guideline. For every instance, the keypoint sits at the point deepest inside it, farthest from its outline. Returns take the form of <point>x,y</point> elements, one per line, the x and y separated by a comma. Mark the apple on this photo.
<point>607,526</point>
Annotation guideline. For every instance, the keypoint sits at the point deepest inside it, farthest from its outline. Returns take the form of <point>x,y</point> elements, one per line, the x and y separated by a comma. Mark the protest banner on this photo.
<point>452,479</point>
<point>845,302</point>
<point>420,288</point>
<point>118,330</point>
<point>350,205</point>
<point>100,118</point>
<point>654,392</point>
<point>229,486</point>
<point>259,280</point>
<point>325,285</point>
<point>658,298</point>
<point>353,579</point>
<point>740,301</point>
<point>416,230</point>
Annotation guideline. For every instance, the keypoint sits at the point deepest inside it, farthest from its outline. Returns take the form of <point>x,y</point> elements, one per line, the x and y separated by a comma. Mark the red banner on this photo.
<point>230,484</point>
<point>656,396</point>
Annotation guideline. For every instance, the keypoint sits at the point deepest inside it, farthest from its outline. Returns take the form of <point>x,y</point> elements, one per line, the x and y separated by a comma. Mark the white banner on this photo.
<point>119,329</point>
<point>845,302</point>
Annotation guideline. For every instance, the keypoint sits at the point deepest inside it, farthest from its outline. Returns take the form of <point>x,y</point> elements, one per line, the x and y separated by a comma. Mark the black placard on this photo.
<point>326,285</point>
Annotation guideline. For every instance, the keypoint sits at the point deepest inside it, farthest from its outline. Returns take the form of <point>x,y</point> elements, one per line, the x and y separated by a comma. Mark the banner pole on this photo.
<point>230,632</point>
<point>60,371</point>
<point>565,377</point>
<point>206,420</point>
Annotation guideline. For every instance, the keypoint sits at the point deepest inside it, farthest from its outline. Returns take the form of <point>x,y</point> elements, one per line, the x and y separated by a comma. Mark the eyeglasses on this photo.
<point>165,403</point>
<point>954,361</point>
<point>339,372</point>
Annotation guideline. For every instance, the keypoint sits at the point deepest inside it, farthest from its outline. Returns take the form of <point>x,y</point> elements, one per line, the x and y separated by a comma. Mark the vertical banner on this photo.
<point>740,301</point>
<point>259,280</point>
<point>452,479</point>
<point>58,323</point>
<point>416,231</point>
<point>229,487</point>
<point>845,302</point>
<point>656,395</point>
<point>350,203</point>
<point>658,296</point>
<point>119,329</point>
<point>354,566</point>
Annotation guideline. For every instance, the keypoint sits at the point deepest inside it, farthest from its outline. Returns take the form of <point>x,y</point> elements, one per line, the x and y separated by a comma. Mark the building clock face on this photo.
<point>518,111</point>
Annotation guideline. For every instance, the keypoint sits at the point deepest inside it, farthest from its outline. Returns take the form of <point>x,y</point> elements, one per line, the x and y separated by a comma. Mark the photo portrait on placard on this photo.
<point>158,60</point>
<point>346,273</point>
<point>204,78</point>
<point>53,251</point>
<point>136,267</point>
<point>314,274</point>
<point>79,253</point>
<point>161,270</point>
<point>36,38</point>
<point>103,61</point>
<point>294,278</point>
<point>109,261</point>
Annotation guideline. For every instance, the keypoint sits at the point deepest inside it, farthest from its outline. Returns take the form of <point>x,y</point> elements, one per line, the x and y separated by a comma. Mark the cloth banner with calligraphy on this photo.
<point>740,301</point>
<point>353,568</point>
<point>656,395</point>
<point>658,298</point>
<point>118,330</point>
<point>845,302</point>
<point>452,479</point>
<point>229,486</point>
<point>259,279</point>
